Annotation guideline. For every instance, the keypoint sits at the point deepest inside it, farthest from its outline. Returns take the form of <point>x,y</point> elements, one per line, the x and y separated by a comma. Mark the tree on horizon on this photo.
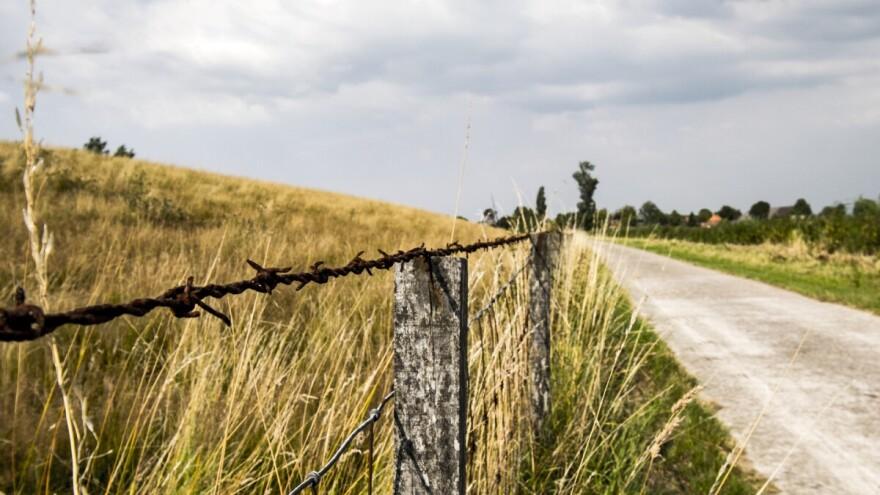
<point>652,214</point>
<point>626,215</point>
<point>96,145</point>
<point>541,205</point>
<point>704,215</point>
<point>802,208</point>
<point>586,207</point>
<point>760,210</point>
<point>729,213</point>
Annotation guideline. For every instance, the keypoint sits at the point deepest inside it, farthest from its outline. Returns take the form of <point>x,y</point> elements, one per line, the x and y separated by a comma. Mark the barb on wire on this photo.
<point>24,321</point>
<point>479,314</point>
<point>313,479</point>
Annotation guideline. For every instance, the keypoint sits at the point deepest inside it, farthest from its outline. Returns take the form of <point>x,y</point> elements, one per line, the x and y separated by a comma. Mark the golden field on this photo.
<point>163,405</point>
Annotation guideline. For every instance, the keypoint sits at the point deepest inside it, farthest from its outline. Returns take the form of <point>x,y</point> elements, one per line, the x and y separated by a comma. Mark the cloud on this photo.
<point>538,54</point>
<point>813,21</point>
<point>332,89</point>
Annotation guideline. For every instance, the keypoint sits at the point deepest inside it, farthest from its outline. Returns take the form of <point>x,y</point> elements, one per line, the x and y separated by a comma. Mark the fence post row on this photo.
<point>545,251</point>
<point>431,368</point>
<point>430,375</point>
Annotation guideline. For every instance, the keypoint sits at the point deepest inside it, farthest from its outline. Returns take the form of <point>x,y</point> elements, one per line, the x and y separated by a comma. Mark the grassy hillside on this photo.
<point>163,405</point>
<point>849,279</point>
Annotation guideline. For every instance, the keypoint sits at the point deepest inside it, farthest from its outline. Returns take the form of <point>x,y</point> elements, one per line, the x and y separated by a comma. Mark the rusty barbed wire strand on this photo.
<point>313,479</point>
<point>23,321</point>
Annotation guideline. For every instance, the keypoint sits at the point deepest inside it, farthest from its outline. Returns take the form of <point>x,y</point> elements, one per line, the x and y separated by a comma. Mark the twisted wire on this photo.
<point>313,479</point>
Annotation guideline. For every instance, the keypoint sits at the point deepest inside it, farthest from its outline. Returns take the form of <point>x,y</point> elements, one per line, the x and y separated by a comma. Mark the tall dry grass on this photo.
<point>190,406</point>
<point>168,405</point>
<point>40,241</point>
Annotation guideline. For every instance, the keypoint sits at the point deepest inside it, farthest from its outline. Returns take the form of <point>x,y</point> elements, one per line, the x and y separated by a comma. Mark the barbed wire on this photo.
<point>313,479</point>
<point>479,314</point>
<point>23,322</point>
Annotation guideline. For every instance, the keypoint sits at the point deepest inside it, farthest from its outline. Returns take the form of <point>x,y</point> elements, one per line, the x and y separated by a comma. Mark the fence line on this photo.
<point>23,322</point>
<point>313,479</point>
<point>419,321</point>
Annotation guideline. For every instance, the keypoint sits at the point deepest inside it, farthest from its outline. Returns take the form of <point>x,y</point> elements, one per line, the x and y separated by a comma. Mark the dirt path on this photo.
<point>812,368</point>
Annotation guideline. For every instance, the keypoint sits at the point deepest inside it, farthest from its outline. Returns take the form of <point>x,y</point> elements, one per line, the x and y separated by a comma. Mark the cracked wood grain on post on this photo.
<point>430,375</point>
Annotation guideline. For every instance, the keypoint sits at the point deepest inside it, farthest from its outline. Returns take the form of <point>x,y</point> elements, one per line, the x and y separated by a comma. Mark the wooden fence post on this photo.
<point>430,376</point>
<point>545,251</point>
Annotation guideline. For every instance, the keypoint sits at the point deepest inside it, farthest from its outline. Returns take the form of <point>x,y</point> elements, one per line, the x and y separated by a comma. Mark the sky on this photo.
<point>689,104</point>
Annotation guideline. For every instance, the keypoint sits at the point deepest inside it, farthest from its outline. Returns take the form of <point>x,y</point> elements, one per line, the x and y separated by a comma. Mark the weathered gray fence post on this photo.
<point>545,252</point>
<point>430,376</point>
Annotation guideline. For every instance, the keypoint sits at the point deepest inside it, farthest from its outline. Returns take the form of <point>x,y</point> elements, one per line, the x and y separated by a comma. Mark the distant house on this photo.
<point>713,221</point>
<point>780,211</point>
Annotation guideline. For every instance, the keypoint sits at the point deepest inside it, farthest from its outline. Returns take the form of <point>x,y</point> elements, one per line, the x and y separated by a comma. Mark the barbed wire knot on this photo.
<point>268,278</point>
<point>185,303</point>
<point>314,478</point>
<point>387,260</point>
<point>358,265</point>
<point>375,413</point>
<point>182,305</point>
<point>22,321</point>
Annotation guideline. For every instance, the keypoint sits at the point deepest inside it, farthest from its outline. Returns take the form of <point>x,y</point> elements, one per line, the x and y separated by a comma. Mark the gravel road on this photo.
<point>810,370</point>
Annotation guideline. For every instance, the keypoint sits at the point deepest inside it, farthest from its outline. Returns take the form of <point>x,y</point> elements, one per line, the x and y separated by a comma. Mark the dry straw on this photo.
<point>41,241</point>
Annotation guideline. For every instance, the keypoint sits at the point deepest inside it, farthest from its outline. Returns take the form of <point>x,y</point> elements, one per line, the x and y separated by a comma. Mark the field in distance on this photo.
<point>850,279</point>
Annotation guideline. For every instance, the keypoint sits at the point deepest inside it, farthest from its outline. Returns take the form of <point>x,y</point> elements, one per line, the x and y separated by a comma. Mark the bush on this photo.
<point>854,234</point>
<point>96,145</point>
<point>123,152</point>
<point>864,207</point>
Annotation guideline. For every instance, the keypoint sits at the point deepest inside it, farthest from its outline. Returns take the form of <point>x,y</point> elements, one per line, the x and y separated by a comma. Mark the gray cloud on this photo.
<point>657,92</point>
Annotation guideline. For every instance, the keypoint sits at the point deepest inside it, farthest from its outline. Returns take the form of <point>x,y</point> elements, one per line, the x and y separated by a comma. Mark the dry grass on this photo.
<point>41,240</point>
<point>189,406</point>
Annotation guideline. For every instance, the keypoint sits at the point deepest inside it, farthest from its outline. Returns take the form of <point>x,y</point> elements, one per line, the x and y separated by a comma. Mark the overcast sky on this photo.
<point>687,103</point>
